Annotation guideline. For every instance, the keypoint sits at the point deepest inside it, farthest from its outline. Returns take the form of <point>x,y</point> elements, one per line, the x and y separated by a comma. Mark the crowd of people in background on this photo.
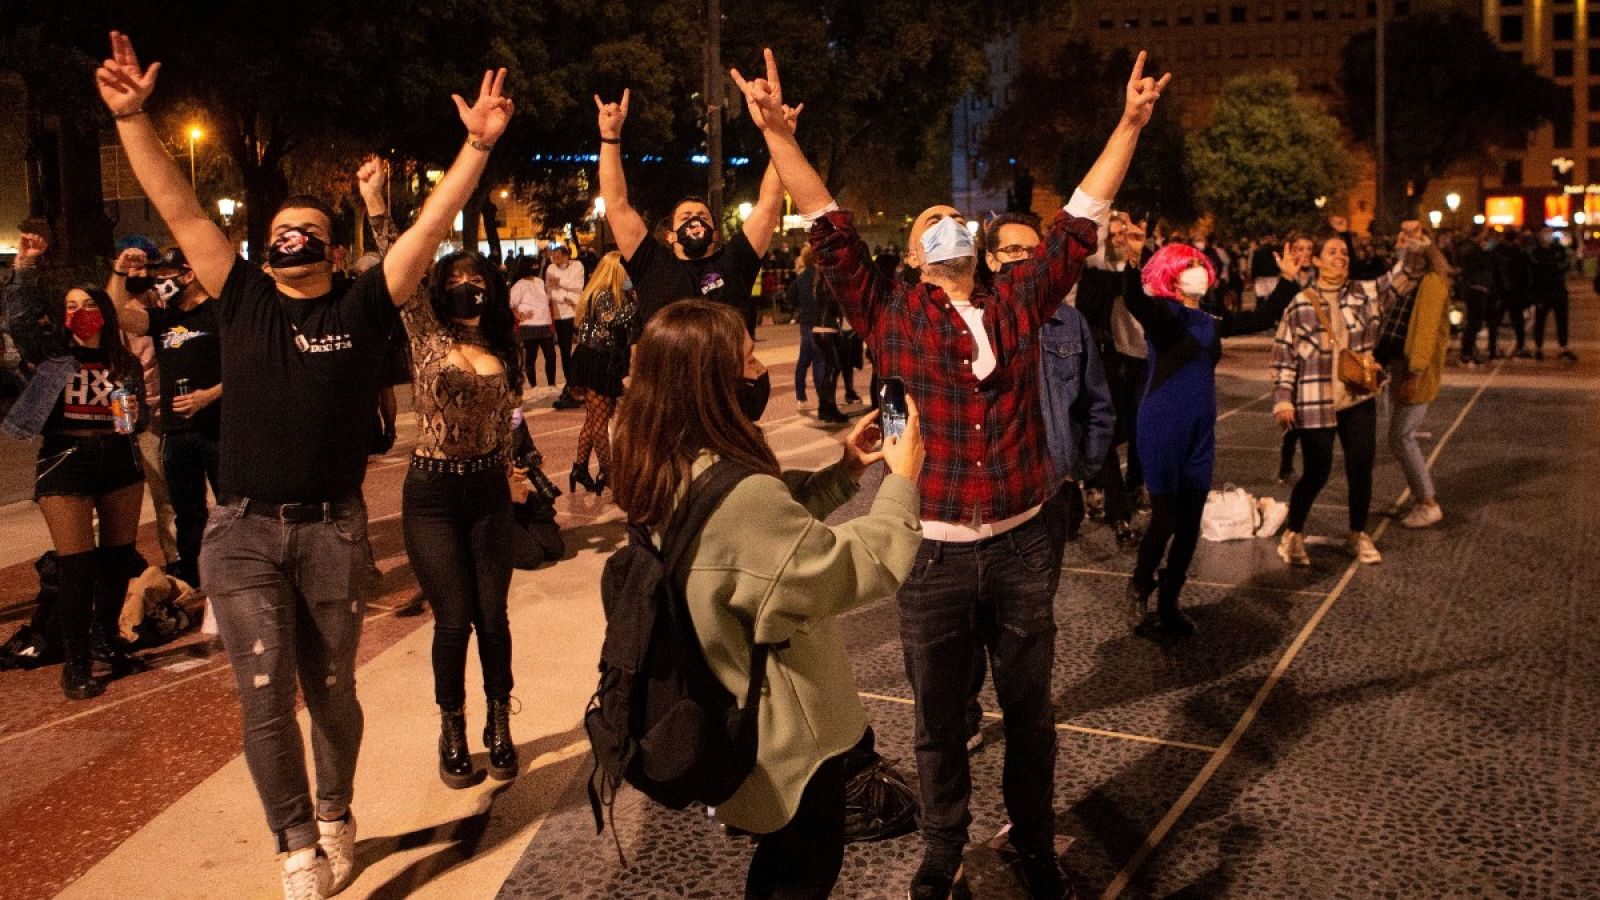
<point>1055,372</point>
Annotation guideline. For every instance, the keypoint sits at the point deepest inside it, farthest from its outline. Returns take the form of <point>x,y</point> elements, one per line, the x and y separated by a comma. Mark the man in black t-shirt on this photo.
<point>285,556</point>
<point>188,349</point>
<point>693,263</point>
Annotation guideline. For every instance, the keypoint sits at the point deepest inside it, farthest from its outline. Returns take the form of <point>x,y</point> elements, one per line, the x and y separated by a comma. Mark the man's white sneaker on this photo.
<point>1292,549</point>
<point>306,875</point>
<point>1422,515</point>
<point>338,843</point>
<point>1361,547</point>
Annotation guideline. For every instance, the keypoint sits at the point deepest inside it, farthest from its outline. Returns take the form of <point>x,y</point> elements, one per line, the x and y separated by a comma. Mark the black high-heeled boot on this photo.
<point>1167,619</point>
<point>497,737</point>
<point>580,475</point>
<point>602,480</point>
<point>455,762</point>
<point>1138,598</point>
<point>76,617</point>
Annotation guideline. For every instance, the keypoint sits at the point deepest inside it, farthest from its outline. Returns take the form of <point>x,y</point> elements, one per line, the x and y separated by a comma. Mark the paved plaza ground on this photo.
<point>1422,728</point>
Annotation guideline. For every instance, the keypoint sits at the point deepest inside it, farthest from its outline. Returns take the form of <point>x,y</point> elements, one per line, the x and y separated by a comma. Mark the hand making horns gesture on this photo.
<point>486,119</point>
<point>1142,94</point>
<point>612,115</point>
<point>764,97</point>
<point>124,85</point>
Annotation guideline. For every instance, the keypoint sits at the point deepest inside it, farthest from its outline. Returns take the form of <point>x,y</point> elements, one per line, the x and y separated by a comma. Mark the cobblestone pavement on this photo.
<point>1420,728</point>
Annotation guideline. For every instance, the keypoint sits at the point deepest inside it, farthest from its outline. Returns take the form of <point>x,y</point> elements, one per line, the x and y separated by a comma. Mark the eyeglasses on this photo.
<point>1014,250</point>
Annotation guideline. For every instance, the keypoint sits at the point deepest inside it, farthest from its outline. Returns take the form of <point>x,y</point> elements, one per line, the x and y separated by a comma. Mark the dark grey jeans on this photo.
<point>997,594</point>
<point>289,600</point>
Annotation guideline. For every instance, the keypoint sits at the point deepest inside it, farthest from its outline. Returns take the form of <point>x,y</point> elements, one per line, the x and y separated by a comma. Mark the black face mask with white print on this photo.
<point>465,301</point>
<point>296,248</point>
<point>697,243</point>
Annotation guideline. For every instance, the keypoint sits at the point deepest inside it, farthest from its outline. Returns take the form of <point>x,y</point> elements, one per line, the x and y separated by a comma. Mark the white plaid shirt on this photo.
<point>1302,351</point>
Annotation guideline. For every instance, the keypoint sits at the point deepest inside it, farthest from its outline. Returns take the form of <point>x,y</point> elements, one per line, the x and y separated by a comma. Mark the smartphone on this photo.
<point>892,403</point>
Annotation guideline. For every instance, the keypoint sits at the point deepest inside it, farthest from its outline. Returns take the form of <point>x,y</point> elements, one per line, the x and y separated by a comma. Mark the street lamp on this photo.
<point>600,222</point>
<point>1478,219</point>
<point>1320,201</point>
<point>195,134</point>
<point>1453,201</point>
<point>227,206</point>
<point>745,209</point>
<point>1435,217</point>
<point>1580,218</point>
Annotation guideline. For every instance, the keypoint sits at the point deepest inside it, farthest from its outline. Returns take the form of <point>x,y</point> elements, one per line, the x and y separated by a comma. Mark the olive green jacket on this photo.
<point>766,565</point>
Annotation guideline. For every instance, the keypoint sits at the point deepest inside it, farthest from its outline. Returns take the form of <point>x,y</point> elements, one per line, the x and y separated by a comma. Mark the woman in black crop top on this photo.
<point>86,466</point>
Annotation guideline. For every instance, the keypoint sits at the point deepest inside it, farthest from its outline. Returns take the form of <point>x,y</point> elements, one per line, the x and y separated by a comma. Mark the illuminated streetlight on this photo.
<point>600,207</point>
<point>1453,201</point>
<point>195,134</point>
<point>1435,217</point>
<point>1580,217</point>
<point>1320,201</point>
<point>1478,219</point>
<point>745,209</point>
<point>227,206</point>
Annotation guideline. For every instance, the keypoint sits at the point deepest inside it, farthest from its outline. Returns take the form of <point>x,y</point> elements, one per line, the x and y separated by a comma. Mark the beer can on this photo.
<point>181,388</point>
<point>124,410</point>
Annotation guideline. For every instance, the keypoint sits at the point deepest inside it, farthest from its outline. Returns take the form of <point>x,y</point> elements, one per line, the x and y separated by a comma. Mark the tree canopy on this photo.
<point>1267,155</point>
<point>1450,95</point>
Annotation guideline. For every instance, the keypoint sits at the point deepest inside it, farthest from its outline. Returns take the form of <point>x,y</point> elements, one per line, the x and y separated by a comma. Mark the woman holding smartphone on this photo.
<point>780,583</point>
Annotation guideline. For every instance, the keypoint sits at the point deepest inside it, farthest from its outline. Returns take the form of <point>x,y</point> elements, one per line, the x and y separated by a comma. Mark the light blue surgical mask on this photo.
<point>947,239</point>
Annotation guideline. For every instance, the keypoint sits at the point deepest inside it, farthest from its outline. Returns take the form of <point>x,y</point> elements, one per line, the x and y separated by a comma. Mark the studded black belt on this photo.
<point>470,466</point>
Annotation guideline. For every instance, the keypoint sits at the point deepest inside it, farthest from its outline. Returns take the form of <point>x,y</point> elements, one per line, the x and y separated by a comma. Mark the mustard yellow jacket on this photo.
<point>766,566</point>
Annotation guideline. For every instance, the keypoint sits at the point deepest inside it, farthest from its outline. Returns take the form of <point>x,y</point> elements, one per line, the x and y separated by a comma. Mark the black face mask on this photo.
<point>296,248</point>
<point>138,284</point>
<point>695,246</point>
<point>464,301</point>
<point>753,394</point>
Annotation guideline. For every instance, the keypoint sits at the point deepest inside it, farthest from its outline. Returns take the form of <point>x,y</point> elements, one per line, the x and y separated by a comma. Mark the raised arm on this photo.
<point>1139,104</point>
<point>627,226</point>
<point>764,98</point>
<point>125,87</point>
<point>131,317</point>
<point>372,180</point>
<point>486,119</point>
<point>35,331</point>
<point>768,210</point>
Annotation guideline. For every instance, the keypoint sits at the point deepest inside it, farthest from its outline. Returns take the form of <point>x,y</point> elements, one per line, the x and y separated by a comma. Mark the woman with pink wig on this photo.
<point>1176,429</point>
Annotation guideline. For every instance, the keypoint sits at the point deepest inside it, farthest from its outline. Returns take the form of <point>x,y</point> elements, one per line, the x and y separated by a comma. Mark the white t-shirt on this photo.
<point>565,285</point>
<point>530,303</point>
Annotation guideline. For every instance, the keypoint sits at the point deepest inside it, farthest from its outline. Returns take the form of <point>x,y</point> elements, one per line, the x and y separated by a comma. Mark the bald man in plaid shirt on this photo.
<point>987,570</point>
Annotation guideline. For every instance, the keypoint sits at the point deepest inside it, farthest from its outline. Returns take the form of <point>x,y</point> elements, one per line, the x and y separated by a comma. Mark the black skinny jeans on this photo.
<point>564,332</point>
<point>1560,305</point>
<point>190,461</point>
<point>458,532</point>
<point>801,860</point>
<point>536,340</point>
<point>1358,435</point>
<point>1174,519</point>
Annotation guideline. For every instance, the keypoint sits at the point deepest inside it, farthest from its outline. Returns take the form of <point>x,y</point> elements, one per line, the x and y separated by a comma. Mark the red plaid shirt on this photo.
<point>988,458</point>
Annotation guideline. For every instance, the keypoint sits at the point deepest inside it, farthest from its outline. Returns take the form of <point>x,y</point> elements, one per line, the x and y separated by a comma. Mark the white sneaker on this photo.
<point>1361,547</point>
<point>338,843</point>
<point>1292,549</point>
<point>1422,515</point>
<point>306,875</point>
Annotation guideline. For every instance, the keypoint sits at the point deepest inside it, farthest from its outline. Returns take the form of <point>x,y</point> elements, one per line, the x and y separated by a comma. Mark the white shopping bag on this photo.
<point>1230,515</point>
<point>1271,514</point>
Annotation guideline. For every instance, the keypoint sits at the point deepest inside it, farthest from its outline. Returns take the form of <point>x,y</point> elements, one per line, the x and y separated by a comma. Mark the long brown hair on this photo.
<point>681,400</point>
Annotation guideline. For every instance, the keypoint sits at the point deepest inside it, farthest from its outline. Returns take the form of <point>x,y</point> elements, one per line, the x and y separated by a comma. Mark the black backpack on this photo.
<point>660,720</point>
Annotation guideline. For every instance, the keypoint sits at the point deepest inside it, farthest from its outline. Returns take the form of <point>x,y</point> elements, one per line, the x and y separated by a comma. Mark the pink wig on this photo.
<point>1160,275</point>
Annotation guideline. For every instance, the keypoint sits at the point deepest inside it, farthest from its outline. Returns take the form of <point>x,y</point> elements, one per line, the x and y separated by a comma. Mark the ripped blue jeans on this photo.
<point>289,599</point>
